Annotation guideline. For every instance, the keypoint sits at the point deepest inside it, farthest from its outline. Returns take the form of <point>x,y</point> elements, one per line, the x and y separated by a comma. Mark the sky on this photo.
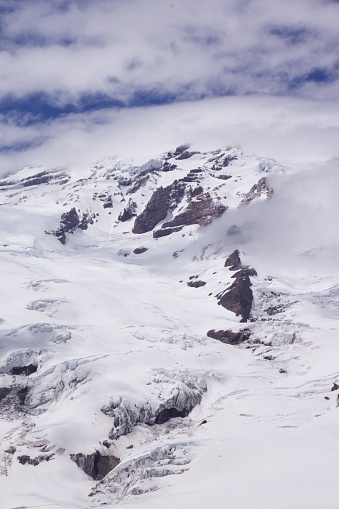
<point>81,80</point>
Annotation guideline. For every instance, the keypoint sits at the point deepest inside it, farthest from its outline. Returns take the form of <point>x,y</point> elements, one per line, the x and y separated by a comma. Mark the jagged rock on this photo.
<point>196,191</point>
<point>24,370</point>
<point>196,284</point>
<point>168,167</point>
<point>223,177</point>
<point>245,271</point>
<point>27,460</point>
<point>44,177</point>
<point>163,232</point>
<point>108,203</point>
<point>192,176</point>
<point>69,222</point>
<point>233,261</point>
<point>238,297</point>
<point>256,191</point>
<point>140,250</point>
<point>4,391</point>
<point>335,387</point>
<point>95,465</point>
<point>200,211</point>
<point>179,150</point>
<point>140,181</point>
<point>11,449</point>
<point>128,212</point>
<point>185,155</point>
<point>230,337</point>
<point>228,159</point>
<point>161,201</point>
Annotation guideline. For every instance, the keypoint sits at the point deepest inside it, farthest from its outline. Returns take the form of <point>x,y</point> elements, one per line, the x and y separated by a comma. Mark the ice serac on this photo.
<point>162,200</point>
<point>179,394</point>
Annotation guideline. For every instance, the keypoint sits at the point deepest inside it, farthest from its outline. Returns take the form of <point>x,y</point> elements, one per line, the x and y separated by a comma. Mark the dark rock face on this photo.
<point>259,189</point>
<point>196,284</point>
<point>169,413</point>
<point>27,460</point>
<point>335,387</point>
<point>4,391</point>
<point>200,211</point>
<point>140,250</point>
<point>163,232</point>
<point>24,370</point>
<point>128,212</point>
<point>233,261</point>
<point>238,297</point>
<point>168,167</point>
<point>95,465</point>
<point>229,337</point>
<point>140,181</point>
<point>44,177</point>
<point>245,271</point>
<point>228,159</point>
<point>69,222</point>
<point>161,201</point>
<point>179,150</point>
<point>185,155</point>
<point>13,396</point>
<point>108,203</point>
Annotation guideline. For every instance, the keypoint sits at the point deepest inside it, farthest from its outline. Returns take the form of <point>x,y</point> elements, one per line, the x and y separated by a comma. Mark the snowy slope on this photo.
<point>106,349</point>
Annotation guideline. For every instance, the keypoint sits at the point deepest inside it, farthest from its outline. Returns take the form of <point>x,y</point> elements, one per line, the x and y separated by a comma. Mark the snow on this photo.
<point>109,328</point>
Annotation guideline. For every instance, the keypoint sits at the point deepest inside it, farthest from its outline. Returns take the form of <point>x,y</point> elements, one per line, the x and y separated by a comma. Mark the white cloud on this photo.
<point>186,48</point>
<point>287,129</point>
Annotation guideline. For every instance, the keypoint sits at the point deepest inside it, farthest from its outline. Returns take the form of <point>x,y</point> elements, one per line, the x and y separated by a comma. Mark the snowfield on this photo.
<point>111,391</point>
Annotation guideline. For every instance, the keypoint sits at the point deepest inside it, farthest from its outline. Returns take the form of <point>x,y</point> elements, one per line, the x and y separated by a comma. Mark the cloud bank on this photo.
<point>134,52</point>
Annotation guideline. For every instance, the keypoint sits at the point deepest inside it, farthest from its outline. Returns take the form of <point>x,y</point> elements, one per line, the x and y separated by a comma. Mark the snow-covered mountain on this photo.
<point>169,335</point>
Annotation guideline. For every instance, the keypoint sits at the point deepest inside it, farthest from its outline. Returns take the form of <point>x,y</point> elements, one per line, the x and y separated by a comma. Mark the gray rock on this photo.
<point>229,337</point>
<point>95,465</point>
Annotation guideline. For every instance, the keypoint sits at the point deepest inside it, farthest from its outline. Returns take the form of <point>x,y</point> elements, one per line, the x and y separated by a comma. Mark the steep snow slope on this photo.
<point>111,283</point>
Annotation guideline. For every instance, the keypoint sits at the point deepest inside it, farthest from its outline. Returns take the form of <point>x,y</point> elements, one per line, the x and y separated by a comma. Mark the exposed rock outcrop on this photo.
<point>202,210</point>
<point>55,176</point>
<point>161,201</point>
<point>238,297</point>
<point>258,190</point>
<point>129,211</point>
<point>229,337</point>
<point>233,261</point>
<point>69,222</point>
<point>95,465</point>
<point>27,460</point>
<point>140,250</point>
<point>196,284</point>
<point>163,232</point>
